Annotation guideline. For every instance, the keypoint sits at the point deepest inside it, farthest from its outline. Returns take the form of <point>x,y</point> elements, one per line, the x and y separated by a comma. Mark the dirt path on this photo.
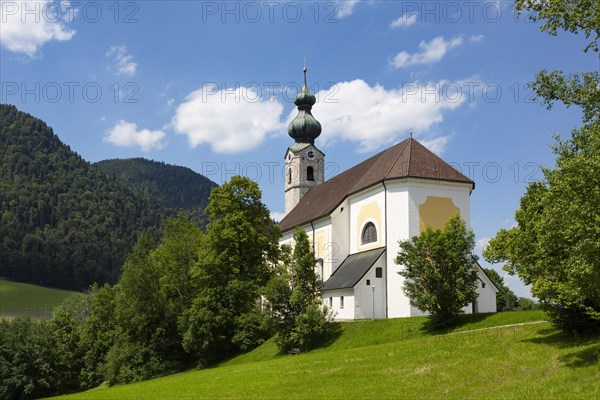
<point>493,327</point>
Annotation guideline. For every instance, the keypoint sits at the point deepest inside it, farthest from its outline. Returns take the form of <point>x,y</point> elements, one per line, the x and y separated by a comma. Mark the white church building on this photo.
<point>355,219</point>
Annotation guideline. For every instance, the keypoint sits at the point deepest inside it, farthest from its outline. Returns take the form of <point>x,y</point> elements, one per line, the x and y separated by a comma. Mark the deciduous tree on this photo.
<point>300,319</point>
<point>555,246</point>
<point>234,265</point>
<point>438,270</point>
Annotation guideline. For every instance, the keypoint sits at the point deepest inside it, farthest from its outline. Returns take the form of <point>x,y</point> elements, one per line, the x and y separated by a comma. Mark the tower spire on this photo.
<point>304,128</point>
<point>305,85</point>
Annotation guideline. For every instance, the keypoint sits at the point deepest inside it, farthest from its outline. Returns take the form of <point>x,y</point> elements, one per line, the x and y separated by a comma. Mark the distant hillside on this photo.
<point>178,188</point>
<point>63,222</point>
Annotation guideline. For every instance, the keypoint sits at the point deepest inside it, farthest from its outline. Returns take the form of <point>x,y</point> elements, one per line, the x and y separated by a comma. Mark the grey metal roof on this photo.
<point>354,267</point>
<point>299,146</point>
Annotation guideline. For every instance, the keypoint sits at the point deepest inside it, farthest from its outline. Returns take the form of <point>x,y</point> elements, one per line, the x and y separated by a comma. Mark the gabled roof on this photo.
<point>408,158</point>
<point>485,273</point>
<point>352,269</point>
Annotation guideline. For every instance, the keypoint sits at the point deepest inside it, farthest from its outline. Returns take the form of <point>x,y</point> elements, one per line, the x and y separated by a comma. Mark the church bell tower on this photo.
<point>304,162</point>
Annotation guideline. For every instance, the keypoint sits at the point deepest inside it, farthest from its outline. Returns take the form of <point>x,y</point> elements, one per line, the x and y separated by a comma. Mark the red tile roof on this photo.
<point>408,158</point>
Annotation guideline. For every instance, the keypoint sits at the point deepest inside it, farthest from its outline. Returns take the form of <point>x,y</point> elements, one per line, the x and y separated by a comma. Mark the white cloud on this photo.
<point>126,134</point>
<point>436,144</point>
<point>481,243</point>
<point>374,116</point>
<point>230,120</point>
<point>345,8</point>
<point>476,38</point>
<point>27,26</point>
<point>404,21</point>
<point>277,216</point>
<point>124,63</point>
<point>431,52</point>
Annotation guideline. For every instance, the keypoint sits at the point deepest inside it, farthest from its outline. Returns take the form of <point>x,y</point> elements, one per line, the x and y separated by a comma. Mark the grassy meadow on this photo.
<point>23,299</point>
<point>399,358</point>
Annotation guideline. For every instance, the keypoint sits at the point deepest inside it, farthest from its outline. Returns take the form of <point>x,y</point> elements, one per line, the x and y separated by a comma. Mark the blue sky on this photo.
<point>209,85</point>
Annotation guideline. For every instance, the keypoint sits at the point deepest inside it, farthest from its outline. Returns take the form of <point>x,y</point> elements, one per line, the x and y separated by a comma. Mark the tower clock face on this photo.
<point>310,154</point>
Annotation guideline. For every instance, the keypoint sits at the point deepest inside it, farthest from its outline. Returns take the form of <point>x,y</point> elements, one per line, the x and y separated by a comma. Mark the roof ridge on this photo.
<point>397,157</point>
<point>443,162</point>
<point>409,156</point>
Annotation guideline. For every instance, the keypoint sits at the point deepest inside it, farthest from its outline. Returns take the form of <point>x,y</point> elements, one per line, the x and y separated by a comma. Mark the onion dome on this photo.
<point>304,128</point>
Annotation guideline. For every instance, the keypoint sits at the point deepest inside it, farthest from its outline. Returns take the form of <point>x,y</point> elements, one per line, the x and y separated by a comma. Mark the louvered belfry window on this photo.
<point>369,233</point>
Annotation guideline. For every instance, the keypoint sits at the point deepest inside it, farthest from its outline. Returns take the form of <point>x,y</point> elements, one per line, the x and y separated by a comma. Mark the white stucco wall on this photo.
<point>486,300</point>
<point>399,200</point>
<point>363,293</point>
<point>347,312</point>
<point>419,190</point>
<point>398,229</point>
<point>364,204</point>
<point>404,196</point>
<point>339,245</point>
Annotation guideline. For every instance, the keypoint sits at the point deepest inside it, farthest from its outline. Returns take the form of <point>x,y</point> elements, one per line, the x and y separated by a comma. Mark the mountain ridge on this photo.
<point>64,222</point>
<point>177,187</point>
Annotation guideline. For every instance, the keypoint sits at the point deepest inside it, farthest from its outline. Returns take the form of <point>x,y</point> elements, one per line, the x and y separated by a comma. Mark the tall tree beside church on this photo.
<point>300,319</point>
<point>234,265</point>
<point>438,270</point>
<point>555,246</point>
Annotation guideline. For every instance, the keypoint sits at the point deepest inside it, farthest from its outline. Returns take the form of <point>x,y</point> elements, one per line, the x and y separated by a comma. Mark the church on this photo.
<point>355,219</point>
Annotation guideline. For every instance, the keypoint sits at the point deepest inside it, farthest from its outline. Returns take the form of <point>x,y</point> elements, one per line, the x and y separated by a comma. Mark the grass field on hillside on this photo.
<point>397,359</point>
<point>22,299</point>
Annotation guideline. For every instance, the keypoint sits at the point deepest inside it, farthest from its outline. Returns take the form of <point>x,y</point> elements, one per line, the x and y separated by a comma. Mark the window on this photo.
<point>369,233</point>
<point>368,282</point>
<point>310,174</point>
<point>483,285</point>
<point>330,302</point>
<point>290,175</point>
<point>378,272</point>
<point>341,301</point>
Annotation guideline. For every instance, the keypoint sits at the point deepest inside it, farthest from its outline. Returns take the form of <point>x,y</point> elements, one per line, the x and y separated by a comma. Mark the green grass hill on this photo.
<point>512,355</point>
<point>22,299</point>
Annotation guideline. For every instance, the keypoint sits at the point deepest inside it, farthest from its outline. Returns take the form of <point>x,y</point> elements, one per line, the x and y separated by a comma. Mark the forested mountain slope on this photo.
<point>63,221</point>
<point>178,188</point>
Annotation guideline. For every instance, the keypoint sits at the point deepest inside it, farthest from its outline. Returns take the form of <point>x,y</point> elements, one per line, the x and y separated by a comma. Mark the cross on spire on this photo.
<point>305,69</point>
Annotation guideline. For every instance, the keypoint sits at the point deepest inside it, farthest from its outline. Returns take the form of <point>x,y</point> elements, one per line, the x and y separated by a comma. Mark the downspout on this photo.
<point>314,249</point>
<point>313,235</point>
<point>386,245</point>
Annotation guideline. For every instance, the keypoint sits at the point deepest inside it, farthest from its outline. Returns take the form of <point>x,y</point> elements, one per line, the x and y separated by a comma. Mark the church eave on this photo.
<point>367,188</point>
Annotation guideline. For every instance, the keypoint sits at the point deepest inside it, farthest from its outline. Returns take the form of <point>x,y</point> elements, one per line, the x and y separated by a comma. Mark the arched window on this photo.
<point>369,233</point>
<point>310,174</point>
<point>290,175</point>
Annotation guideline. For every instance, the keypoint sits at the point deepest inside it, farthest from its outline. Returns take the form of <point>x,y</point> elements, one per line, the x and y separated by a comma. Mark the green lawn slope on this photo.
<point>505,355</point>
<point>22,299</point>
